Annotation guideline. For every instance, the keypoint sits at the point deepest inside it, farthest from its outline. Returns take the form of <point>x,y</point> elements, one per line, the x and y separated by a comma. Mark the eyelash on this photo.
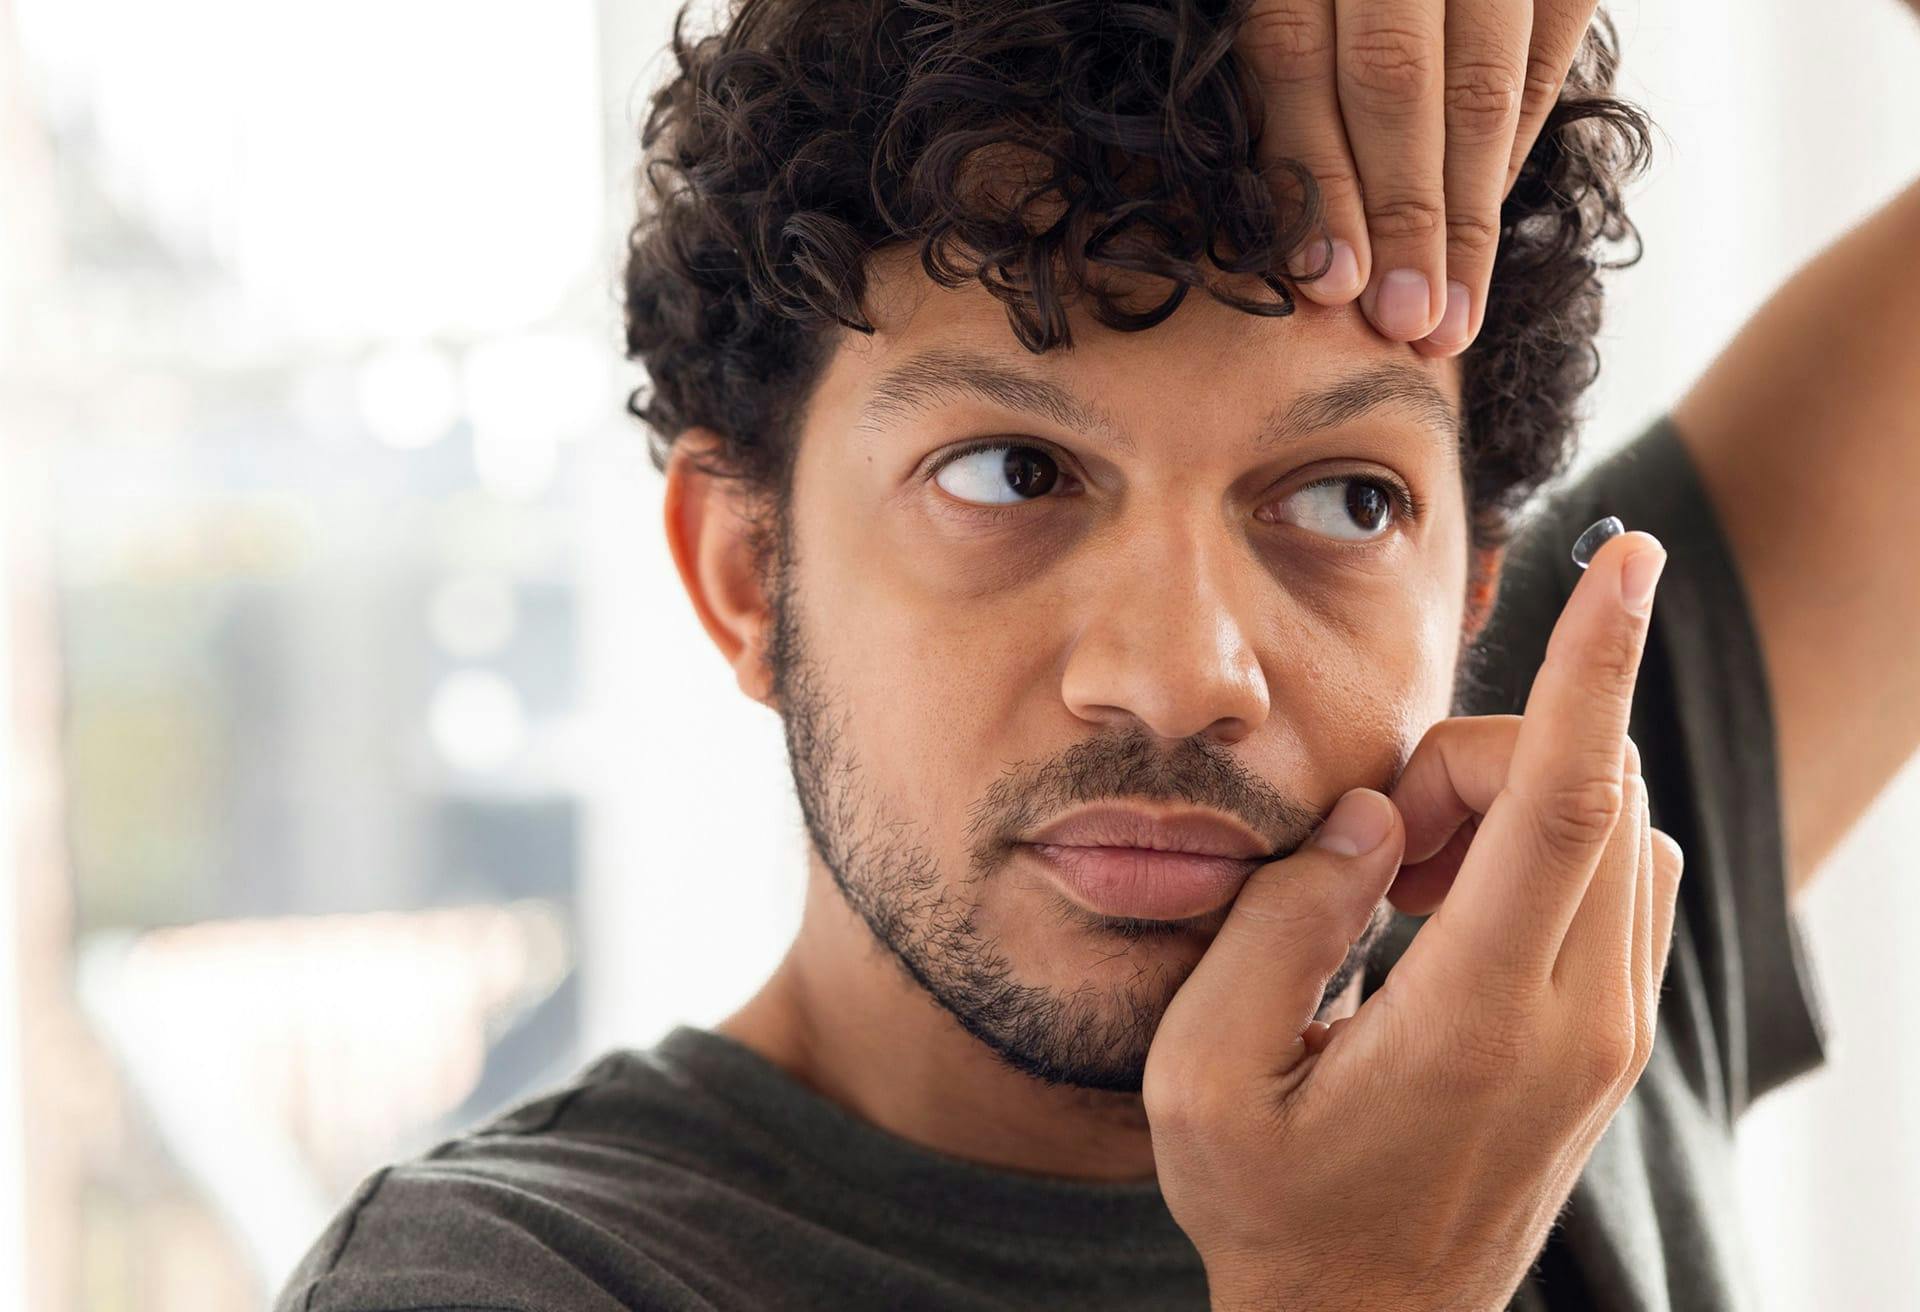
<point>1410,507</point>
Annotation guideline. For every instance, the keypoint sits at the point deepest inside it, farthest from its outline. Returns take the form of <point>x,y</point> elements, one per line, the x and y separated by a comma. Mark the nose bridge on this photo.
<point>1166,637</point>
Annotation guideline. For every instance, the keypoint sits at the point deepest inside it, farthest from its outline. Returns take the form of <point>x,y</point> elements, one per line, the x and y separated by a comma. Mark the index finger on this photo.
<point>1527,870</point>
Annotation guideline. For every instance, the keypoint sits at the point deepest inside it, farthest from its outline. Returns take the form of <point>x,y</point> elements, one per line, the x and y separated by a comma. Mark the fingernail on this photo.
<point>1343,276</point>
<point>1638,576</point>
<point>1359,823</point>
<point>1305,260</point>
<point>1400,307</point>
<point>1453,321</point>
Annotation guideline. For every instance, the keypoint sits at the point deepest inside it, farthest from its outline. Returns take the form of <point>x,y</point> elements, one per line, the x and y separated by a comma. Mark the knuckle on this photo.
<point>1414,221</point>
<point>1633,764</point>
<point>1578,816</point>
<point>1604,1056</point>
<point>1331,173</point>
<point>1278,903</point>
<point>1482,99</point>
<point>1471,230</point>
<point>1616,657</point>
<point>1173,1093</point>
<point>1392,64</point>
<point>1289,42</point>
<point>1667,850</point>
<point>1540,86</point>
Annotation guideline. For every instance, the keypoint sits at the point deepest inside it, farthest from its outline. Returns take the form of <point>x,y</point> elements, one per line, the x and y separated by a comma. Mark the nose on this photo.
<point>1165,638</point>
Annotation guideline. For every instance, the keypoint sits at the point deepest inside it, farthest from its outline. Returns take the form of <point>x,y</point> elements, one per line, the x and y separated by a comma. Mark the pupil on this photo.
<point>1030,472</point>
<point>1367,503</point>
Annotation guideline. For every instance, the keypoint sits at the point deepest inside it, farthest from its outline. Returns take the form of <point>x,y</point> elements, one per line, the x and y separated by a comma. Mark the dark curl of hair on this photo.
<point>789,147</point>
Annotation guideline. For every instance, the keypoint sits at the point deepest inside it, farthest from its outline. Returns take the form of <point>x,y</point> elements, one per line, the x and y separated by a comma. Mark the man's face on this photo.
<point>1144,601</point>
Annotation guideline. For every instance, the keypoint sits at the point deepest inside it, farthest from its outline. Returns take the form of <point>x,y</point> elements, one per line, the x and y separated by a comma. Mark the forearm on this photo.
<point>1807,432</point>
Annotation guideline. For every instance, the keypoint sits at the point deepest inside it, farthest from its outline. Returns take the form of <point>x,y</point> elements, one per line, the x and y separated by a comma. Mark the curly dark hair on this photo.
<point>791,146</point>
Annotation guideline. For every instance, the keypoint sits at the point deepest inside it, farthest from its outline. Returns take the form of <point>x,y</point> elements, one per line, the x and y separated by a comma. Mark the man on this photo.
<point>1167,943</point>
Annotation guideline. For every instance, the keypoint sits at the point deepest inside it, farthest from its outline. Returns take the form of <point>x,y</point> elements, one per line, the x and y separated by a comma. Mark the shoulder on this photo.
<point>535,1211</point>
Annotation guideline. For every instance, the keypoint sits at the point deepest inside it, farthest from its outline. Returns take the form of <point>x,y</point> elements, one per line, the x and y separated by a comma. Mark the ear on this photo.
<point>1483,588</point>
<point>710,532</point>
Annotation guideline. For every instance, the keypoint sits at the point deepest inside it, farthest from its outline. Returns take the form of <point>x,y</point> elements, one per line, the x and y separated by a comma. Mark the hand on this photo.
<point>1414,1154</point>
<point>1414,116</point>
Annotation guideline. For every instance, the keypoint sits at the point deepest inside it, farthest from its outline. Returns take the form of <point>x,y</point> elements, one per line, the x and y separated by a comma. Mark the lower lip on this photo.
<point>1143,884</point>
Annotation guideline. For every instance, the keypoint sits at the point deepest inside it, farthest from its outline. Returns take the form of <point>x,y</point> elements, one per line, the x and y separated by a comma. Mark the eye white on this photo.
<point>1322,508</point>
<point>981,476</point>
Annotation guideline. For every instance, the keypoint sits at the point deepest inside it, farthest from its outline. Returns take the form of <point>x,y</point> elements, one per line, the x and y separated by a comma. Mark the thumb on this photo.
<point>1288,931</point>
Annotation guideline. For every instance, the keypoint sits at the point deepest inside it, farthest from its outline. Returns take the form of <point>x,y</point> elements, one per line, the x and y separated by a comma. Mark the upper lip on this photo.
<point>1204,833</point>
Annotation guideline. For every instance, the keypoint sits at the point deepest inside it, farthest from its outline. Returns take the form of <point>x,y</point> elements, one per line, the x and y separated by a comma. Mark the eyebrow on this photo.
<point>923,382</point>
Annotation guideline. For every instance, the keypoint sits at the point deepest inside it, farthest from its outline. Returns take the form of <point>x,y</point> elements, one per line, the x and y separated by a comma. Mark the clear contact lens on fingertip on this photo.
<point>1596,533</point>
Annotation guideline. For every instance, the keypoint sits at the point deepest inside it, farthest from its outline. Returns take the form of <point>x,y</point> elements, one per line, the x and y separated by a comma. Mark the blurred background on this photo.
<point>362,765</point>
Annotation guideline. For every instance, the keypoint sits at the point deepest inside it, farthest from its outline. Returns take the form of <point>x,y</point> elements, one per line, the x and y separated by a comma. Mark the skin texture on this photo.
<point>1414,116</point>
<point>1154,628</point>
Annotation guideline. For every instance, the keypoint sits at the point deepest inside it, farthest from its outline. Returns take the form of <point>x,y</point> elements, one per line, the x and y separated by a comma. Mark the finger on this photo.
<point>1289,45</point>
<point>1527,871</point>
<point>1421,886</point>
<point>1390,59</point>
<point>1486,67</point>
<point>1289,929</point>
<point>1669,863</point>
<point>1596,957</point>
<point>1452,774</point>
<point>1448,782</point>
<point>1559,26</point>
<point>1314,1037</point>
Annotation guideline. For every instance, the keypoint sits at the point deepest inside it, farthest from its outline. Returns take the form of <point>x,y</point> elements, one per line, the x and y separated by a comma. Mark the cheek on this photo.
<point>1358,674</point>
<point>934,681</point>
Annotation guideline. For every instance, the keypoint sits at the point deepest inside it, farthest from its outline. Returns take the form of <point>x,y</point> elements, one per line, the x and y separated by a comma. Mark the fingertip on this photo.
<point>1455,319</point>
<point>1341,282</point>
<point>1639,574</point>
<point>1343,275</point>
<point>1432,350</point>
<point>1400,305</point>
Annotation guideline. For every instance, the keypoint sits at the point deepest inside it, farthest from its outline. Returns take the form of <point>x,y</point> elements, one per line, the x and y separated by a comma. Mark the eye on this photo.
<point>1001,474</point>
<point>1350,507</point>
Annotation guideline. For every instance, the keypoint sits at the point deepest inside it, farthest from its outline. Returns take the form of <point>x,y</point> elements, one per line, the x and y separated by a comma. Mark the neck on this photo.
<point>843,1018</point>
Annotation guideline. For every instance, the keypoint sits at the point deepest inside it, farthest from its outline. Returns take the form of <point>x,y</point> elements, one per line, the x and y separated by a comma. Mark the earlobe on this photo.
<point>710,533</point>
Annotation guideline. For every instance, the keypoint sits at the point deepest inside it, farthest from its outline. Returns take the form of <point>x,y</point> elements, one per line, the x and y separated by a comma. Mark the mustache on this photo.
<point>1129,765</point>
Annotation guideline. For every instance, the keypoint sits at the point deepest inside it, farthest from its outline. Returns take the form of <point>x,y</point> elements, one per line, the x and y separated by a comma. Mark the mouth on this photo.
<point>1145,884</point>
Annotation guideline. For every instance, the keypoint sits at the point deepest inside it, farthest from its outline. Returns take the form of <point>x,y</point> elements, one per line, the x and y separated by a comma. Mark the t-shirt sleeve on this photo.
<point>432,1236</point>
<point>1703,720</point>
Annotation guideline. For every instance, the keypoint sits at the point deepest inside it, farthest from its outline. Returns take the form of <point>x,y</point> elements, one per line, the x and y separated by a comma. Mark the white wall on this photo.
<point>1783,123</point>
<point>13,1218</point>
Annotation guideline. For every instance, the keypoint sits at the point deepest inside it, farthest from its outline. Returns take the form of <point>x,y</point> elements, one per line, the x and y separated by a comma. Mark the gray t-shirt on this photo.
<point>695,1175</point>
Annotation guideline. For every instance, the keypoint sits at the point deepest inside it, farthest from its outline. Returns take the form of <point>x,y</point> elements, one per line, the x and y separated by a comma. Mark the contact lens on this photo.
<point>1597,532</point>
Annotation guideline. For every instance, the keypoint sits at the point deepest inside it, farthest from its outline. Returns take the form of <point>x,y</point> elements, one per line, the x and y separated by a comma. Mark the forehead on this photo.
<point>1206,367</point>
